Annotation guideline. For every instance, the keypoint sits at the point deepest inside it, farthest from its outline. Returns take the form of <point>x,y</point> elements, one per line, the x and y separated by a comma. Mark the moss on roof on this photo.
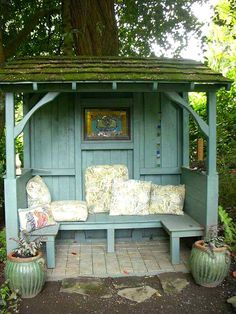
<point>50,69</point>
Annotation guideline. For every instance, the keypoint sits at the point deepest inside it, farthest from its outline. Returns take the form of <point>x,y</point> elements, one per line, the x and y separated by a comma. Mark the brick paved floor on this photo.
<point>130,259</point>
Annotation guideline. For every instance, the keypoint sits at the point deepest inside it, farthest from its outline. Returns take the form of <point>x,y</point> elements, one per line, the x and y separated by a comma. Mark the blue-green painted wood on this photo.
<point>26,134</point>
<point>211,142</point>
<point>10,190</point>
<point>46,99</point>
<point>152,111</point>
<point>10,142</point>
<point>176,98</point>
<point>196,194</point>
<point>185,134</point>
<point>137,135</point>
<point>169,134</point>
<point>212,201</point>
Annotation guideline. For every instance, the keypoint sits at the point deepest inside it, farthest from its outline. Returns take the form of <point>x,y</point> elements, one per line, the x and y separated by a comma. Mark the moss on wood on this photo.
<point>45,69</point>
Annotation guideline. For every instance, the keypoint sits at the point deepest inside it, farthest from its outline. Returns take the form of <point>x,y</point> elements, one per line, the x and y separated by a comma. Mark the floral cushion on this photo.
<point>167,199</point>
<point>35,218</point>
<point>37,192</point>
<point>98,182</point>
<point>130,197</point>
<point>69,210</point>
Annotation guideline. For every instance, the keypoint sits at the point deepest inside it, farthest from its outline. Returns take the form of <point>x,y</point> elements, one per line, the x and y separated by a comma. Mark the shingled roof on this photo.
<point>80,69</point>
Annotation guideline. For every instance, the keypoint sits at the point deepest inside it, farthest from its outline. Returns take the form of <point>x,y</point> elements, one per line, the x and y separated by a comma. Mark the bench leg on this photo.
<point>174,250</point>
<point>80,236</point>
<point>50,249</point>
<point>110,240</point>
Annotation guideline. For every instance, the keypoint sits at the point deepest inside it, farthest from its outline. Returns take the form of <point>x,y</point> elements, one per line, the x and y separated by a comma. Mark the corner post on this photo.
<point>185,134</point>
<point>211,141</point>
<point>212,176</point>
<point>10,180</point>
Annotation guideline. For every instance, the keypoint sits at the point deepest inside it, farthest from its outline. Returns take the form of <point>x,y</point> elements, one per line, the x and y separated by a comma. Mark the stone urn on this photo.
<point>209,267</point>
<point>27,275</point>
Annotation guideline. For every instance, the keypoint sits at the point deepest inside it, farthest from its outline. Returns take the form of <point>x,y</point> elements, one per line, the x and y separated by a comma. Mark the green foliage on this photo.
<point>142,23</point>
<point>27,248</point>
<point>9,300</point>
<point>229,227</point>
<point>36,27</point>
<point>3,252</point>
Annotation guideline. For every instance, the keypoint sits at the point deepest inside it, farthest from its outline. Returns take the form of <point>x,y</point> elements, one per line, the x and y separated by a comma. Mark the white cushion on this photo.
<point>130,197</point>
<point>98,182</point>
<point>69,210</point>
<point>35,218</point>
<point>167,199</point>
<point>37,192</point>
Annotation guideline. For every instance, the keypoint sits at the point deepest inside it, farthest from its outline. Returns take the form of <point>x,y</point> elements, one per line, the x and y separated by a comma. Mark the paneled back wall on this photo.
<point>60,154</point>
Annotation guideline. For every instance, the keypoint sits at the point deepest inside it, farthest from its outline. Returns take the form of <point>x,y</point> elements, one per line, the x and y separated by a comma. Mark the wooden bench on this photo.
<point>176,226</point>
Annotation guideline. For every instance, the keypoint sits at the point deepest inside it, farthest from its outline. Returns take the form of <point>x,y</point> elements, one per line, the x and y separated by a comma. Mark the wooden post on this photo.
<point>211,142</point>
<point>10,181</point>
<point>200,149</point>
<point>212,178</point>
<point>185,121</point>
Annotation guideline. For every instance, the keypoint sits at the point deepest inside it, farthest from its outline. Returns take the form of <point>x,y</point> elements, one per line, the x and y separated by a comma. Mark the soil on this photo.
<point>193,299</point>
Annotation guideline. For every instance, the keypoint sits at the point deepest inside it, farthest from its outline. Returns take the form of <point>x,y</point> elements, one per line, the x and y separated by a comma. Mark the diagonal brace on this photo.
<point>46,99</point>
<point>175,97</point>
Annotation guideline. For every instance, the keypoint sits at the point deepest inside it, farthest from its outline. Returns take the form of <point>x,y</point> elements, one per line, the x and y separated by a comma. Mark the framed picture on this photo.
<point>106,124</point>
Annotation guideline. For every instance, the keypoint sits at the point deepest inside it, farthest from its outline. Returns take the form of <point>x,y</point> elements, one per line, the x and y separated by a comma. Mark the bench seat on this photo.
<point>176,226</point>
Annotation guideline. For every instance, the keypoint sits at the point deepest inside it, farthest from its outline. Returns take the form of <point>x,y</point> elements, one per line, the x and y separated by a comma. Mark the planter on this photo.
<point>26,274</point>
<point>209,269</point>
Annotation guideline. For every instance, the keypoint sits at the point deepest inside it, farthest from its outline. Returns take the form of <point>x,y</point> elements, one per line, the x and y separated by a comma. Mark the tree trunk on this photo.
<point>94,27</point>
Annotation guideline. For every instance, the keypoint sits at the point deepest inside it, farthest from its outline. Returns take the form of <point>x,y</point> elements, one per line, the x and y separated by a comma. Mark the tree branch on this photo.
<point>30,25</point>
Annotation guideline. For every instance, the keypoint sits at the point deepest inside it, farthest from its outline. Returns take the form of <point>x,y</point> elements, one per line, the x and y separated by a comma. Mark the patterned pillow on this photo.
<point>69,210</point>
<point>130,197</point>
<point>37,192</point>
<point>98,182</point>
<point>167,199</point>
<point>35,218</point>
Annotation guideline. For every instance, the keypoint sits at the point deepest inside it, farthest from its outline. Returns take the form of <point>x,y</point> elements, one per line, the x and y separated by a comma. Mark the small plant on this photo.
<point>3,252</point>
<point>213,240</point>
<point>9,300</point>
<point>26,248</point>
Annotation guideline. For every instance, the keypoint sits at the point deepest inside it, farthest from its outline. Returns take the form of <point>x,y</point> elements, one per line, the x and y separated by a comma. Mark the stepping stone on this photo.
<point>232,301</point>
<point>85,286</point>
<point>173,282</point>
<point>138,294</point>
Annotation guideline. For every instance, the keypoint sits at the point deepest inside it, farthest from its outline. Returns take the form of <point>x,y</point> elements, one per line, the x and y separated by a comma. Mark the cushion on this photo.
<point>37,192</point>
<point>35,218</point>
<point>98,182</point>
<point>69,210</point>
<point>167,199</point>
<point>130,197</point>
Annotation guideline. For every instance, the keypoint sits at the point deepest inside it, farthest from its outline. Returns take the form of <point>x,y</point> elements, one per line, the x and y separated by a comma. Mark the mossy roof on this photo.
<point>67,69</point>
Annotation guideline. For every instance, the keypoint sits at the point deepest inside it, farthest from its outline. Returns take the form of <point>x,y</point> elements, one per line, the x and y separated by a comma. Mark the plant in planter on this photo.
<point>25,267</point>
<point>210,260</point>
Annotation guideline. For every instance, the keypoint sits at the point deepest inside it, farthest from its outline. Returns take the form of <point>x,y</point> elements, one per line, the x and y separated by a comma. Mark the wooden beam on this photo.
<point>46,99</point>
<point>176,98</point>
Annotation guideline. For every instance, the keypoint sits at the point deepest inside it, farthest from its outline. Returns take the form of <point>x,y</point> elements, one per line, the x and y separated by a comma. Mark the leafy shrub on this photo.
<point>229,227</point>
<point>3,252</point>
<point>9,300</point>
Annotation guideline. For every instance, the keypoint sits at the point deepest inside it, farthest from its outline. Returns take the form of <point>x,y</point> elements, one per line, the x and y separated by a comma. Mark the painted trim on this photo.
<point>154,171</point>
<point>107,145</point>
<point>46,99</point>
<point>54,172</point>
<point>176,98</point>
